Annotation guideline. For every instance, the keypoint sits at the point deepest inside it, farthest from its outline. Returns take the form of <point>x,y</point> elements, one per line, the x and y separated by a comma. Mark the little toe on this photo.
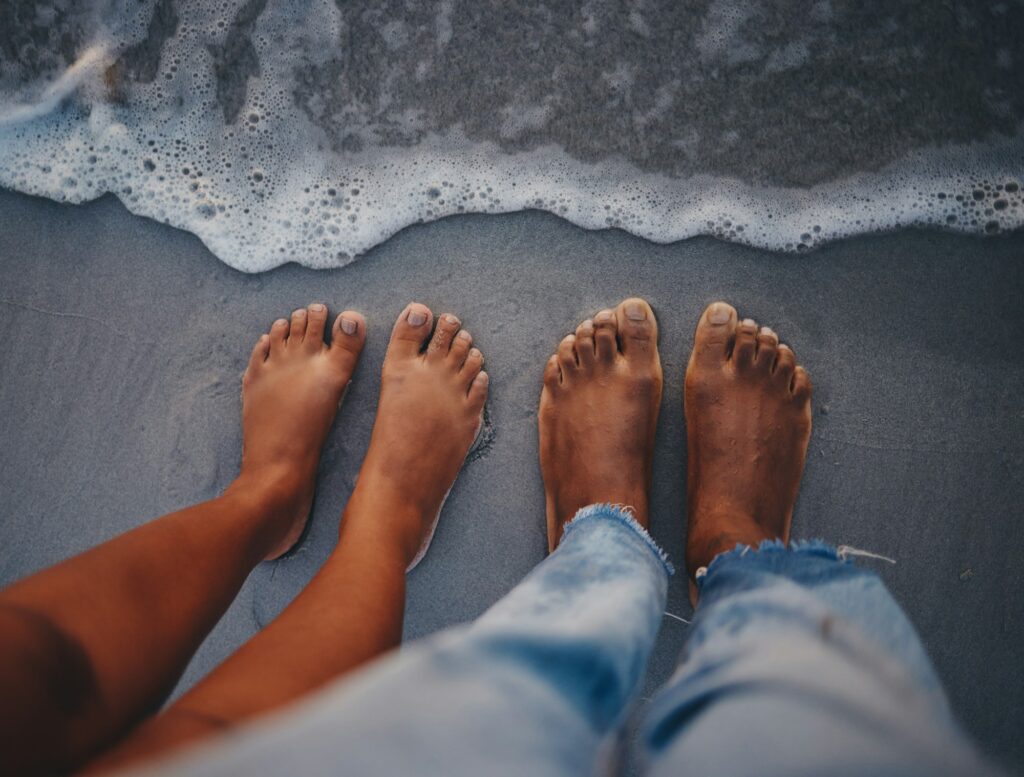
<point>460,348</point>
<point>316,323</point>
<point>278,335</point>
<point>474,363</point>
<point>585,352</point>
<point>259,354</point>
<point>785,363</point>
<point>801,386</point>
<point>552,374</point>
<point>478,391</point>
<point>297,329</point>
<point>715,332</point>
<point>767,347</point>
<point>348,337</point>
<point>447,326</point>
<point>744,348</point>
<point>411,330</point>
<point>605,339</point>
<point>567,356</point>
<point>638,328</point>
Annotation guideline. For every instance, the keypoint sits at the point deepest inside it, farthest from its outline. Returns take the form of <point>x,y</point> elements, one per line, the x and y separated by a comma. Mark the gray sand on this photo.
<point>124,341</point>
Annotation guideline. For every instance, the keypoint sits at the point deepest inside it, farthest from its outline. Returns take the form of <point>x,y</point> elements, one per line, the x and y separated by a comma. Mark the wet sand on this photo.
<point>125,340</point>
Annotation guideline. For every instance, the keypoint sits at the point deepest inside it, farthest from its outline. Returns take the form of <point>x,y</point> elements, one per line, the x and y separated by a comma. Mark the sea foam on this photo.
<point>299,132</point>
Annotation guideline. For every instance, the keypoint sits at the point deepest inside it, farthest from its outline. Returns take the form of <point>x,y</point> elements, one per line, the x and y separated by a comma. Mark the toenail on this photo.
<point>451,319</point>
<point>635,312</point>
<point>476,354</point>
<point>316,307</point>
<point>464,335</point>
<point>719,313</point>
<point>604,315</point>
<point>417,318</point>
<point>749,323</point>
<point>784,347</point>
<point>766,332</point>
<point>348,326</point>
<point>281,322</point>
<point>300,312</point>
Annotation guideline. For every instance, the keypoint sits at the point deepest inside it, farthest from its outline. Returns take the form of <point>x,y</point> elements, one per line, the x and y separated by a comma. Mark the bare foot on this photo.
<point>290,395</point>
<point>748,422</point>
<point>598,413</point>
<point>432,397</point>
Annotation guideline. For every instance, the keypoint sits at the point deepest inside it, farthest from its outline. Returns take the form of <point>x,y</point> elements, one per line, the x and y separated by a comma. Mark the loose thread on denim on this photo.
<point>843,552</point>
<point>676,617</point>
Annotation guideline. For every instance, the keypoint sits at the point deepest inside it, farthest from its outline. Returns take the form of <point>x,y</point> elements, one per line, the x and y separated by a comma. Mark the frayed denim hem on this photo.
<point>623,515</point>
<point>820,548</point>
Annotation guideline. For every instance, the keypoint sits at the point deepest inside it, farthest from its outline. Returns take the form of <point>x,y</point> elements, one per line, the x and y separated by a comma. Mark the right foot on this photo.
<point>598,414</point>
<point>748,421</point>
<point>431,404</point>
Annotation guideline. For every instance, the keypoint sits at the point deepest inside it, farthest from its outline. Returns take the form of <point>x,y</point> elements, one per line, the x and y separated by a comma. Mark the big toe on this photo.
<point>347,338</point>
<point>715,332</point>
<point>638,328</point>
<point>411,330</point>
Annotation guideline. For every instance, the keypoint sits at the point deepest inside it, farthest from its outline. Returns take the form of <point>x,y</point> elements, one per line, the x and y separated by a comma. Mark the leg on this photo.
<point>432,398</point>
<point>538,683</point>
<point>798,663</point>
<point>97,642</point>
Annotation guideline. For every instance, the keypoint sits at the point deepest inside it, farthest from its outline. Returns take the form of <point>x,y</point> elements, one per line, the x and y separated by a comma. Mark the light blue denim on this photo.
<point>798,663</point>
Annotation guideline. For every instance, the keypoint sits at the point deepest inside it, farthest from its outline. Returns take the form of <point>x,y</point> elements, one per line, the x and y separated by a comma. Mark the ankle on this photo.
<point>719,530</point>
<point>267,501</point>
<point>275,486</point>
<point>381,518</point>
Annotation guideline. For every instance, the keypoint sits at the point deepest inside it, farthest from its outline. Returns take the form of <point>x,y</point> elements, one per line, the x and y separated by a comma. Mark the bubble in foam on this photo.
<point>203,131</point>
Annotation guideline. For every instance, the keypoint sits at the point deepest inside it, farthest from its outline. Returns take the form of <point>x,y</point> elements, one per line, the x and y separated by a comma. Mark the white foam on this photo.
<point>270,188</point>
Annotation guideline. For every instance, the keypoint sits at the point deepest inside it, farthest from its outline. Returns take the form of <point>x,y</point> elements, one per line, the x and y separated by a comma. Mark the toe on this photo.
<point>785,362</point>
<point>447,326</point>
<point>460,348</point>
<point>567,355</point>
<point>297,330</point>
<point>474,363</point>
<point>714,334</point>
<point>347,338</point>
<point>278,335</point>
<point>605,343</point>
<point>411,330</point>
<point>745,347</point>
<point>316,322</point>
<point>552,374</point>
<point>801,386</point>
<point>767,347</point>
<point>638,328</point>
<point>259,354</point>
<point>585,353</point>
<point>478,391</point>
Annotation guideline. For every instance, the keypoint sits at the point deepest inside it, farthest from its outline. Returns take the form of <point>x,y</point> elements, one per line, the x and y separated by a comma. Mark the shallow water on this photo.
<point>311,131</point>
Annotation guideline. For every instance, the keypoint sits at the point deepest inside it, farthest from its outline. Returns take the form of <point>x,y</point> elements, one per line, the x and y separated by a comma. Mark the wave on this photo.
<point>309,132</point>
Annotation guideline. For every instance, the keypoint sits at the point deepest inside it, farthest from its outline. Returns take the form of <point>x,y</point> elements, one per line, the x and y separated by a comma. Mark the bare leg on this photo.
<point>97,642</point>
<point>429,413</point>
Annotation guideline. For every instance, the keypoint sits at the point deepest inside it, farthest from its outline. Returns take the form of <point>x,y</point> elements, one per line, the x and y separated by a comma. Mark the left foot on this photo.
<point>290,394</point>
<point>598,413</point>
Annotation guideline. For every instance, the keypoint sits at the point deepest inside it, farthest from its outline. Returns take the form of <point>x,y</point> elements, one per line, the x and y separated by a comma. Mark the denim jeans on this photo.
<point>798,663</point>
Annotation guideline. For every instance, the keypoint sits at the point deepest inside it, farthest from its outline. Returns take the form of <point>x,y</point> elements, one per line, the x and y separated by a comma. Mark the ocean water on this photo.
<point>310,130</point>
